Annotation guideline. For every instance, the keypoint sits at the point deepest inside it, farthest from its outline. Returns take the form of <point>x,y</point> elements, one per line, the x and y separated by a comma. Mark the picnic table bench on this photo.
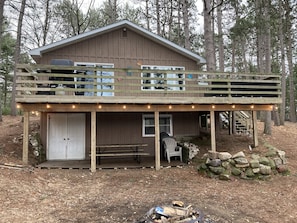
<point>121,150</point>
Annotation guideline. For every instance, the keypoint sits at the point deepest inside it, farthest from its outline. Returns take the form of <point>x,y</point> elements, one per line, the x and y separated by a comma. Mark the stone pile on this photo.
<point>224,165</point>
<point>192,149</point>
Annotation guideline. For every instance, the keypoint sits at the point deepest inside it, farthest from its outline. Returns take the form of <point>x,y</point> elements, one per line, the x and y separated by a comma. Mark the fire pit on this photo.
<point>174,213</point>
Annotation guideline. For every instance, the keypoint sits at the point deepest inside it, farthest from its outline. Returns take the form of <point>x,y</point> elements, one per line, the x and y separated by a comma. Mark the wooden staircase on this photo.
<point>243,122</point>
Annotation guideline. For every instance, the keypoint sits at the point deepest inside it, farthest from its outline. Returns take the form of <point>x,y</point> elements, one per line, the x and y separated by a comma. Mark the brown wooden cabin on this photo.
<point>122,84</point>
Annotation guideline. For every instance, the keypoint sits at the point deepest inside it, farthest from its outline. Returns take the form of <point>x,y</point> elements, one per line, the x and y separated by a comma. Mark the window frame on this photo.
<point>103,65</point>
<point>144,116</point>
<point>162,78</point>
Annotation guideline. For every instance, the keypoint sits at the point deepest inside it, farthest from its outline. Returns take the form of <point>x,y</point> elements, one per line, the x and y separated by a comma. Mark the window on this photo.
<point>104,83</point>
<point>162,81</point>
<point>148,124</point>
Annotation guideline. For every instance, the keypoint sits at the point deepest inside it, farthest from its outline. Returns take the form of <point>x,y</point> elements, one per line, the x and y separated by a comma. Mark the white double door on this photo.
<point>66,136</point>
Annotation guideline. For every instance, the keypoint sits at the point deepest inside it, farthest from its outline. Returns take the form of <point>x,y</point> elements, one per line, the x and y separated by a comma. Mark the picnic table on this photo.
<point>121,150</point>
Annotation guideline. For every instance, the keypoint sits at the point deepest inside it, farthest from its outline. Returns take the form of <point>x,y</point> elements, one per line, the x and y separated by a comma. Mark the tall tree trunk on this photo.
<point>147,15</point>
<point>264,51</point>
<point>289,46</point>
<point>209,36</point>
<point>46,22</point>
<point>1,30</point>
<point>267,36</point>
<point>220,39</point>
<point>158,17</point>
<point>186,23</point>
<point>17,56</point>
<point>283,65</point>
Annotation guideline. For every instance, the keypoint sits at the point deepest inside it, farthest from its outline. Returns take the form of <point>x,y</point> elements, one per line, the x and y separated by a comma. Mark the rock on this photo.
<point>202,167</point>
<point>281,154</point>
<point>239,154</point>
<point>271,153</point>
<point>217,170</point>
<point>284,160</point>
<point>224,156</point>
<point>256,170</point>
<point>265,170</point>
<point>254,163</point>
<point>282,169</point>
<point>207,161</point>
<point>236,171</point>
<point>242,165</point>
<point>264,160</point>
<point>215,162</point>
<point>232,162</point>
<point>224,176</point>
<point>255,157</point>
<point>205,156</point>
<point>249,172</point>
<point>278,161</point>
<point>226,165</point>
<point>213,155</point>
<point>272,164</point>
<point>241,160</point>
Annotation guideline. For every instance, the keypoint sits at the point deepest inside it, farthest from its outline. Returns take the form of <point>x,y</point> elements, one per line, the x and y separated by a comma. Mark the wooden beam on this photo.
<point>255,129</point>
<point>93,141</point>
<point>213,131</point>
<point>123,107</point>
<point>157,141</point>
<point>26,137</point>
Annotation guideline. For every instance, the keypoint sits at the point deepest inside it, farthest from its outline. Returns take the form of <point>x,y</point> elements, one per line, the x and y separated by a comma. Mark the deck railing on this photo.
<point>40,80</point>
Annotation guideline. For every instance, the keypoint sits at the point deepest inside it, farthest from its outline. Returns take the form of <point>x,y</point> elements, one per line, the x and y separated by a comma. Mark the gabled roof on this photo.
<point>124,23</point>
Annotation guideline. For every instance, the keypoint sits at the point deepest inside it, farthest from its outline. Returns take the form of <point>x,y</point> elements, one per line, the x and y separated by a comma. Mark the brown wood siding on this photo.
<point>126,128</point>
<point>124,52</point>
<point>185,124</point>
<point>130,51</point>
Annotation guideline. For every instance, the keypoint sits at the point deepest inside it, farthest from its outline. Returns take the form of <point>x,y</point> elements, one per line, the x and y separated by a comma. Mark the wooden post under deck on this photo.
<point>93,141</point>
<point>157,142</point>
<point>213,131</point>
<point>26,137</point>
<point>255,129</point>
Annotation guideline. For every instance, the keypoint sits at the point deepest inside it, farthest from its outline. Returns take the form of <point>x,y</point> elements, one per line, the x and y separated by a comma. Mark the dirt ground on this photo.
<point>118,196</point>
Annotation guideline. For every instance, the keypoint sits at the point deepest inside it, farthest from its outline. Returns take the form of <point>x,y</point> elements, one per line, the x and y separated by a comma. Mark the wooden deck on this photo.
<point>39,85</point>
<point>110,163</point>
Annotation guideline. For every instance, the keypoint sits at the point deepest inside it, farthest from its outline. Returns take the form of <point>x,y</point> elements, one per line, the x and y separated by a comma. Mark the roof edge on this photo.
<point>37,52</point>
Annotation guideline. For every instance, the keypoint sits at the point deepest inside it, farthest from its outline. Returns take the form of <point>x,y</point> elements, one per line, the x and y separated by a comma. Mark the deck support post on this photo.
<point>26,137</point>
<point>93,141</point>
<point>255,129</point>
<point>157,141</point>
<point>213,130</point>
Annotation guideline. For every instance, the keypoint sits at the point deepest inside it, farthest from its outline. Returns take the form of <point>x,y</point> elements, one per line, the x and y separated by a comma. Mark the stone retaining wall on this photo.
<point>223,165</point>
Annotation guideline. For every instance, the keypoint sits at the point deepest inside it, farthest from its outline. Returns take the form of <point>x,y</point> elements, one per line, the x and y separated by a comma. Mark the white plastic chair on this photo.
<point>172,149</point>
